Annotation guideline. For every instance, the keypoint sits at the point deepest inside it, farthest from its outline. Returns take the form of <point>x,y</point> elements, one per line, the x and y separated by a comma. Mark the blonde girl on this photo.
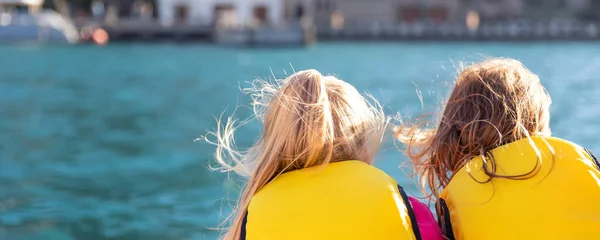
<point>309,175</point>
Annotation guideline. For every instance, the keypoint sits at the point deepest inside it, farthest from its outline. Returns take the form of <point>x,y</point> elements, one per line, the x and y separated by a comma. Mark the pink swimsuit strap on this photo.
<point>427,224</point>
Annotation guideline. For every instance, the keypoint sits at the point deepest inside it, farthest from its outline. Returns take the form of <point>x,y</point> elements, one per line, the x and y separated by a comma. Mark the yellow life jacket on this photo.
<point>561,200</point>
<point>343,200</point>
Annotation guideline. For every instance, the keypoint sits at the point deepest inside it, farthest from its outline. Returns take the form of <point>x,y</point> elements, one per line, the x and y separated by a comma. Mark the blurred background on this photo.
<point>101,100</point>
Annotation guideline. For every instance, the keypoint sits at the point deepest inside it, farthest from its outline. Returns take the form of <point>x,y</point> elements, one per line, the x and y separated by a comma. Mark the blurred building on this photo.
<point>19,5</point>
<point>220,12</point>
<point>544,10</point>
<point>556,9</point>
<point>434,11</point>
<point>295,10</point>
<point>493,10</point>
<point>357,12</point>
<point>128,9</point>
<point>591,11</point>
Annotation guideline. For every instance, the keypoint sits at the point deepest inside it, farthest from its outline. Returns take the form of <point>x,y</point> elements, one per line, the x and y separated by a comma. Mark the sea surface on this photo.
<point>97,143</point>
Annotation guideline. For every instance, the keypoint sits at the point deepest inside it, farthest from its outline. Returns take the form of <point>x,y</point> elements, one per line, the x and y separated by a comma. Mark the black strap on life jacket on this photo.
<point>593,157</point>
<point>444,219</point>
<point>243,230</point>
<point>411,213</point>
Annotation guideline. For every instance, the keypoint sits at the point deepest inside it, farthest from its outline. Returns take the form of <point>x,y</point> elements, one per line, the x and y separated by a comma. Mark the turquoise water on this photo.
<point>97,142</point>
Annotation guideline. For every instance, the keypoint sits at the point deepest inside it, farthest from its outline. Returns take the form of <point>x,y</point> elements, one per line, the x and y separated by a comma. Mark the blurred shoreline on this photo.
<point>301,35</point>
<point>287,23</point>
<point>510,30</point>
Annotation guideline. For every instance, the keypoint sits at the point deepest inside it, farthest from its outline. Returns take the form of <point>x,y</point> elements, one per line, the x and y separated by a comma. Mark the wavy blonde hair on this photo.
<point>309,120</point>
<point>493,103</point>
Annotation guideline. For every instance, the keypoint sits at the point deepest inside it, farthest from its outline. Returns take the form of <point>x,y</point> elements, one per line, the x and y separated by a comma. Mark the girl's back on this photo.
<point>554,202</point>
<point>343,200</point>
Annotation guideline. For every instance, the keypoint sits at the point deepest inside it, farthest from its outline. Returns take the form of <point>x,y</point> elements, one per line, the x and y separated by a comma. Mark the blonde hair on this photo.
<point>309,120</point>
<point>493,103</point>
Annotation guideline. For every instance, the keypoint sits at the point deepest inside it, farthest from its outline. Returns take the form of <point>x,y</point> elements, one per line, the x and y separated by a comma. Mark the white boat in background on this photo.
<point>34,25</point>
